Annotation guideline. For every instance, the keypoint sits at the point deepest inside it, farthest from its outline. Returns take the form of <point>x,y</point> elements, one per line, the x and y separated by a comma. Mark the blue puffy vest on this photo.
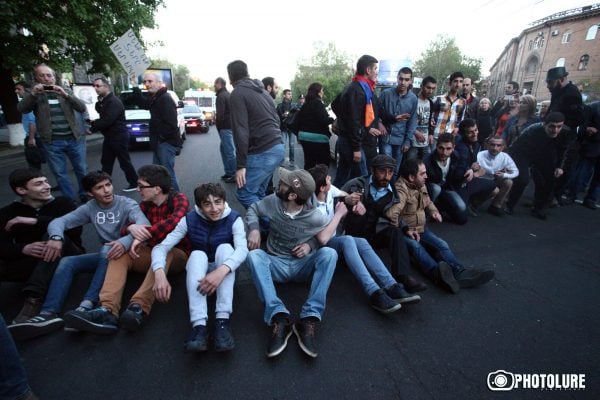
<point>207,235</point>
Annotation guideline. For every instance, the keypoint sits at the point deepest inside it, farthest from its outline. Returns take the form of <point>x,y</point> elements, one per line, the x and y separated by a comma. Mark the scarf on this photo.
<point>367,86</point>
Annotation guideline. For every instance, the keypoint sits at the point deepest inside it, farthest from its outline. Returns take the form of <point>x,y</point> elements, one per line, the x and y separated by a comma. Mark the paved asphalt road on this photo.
<point>539,315</point>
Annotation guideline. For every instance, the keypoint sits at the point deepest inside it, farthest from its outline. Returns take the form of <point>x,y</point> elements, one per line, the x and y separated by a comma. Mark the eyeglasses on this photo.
<point>145,186</point>
<point>147,81</point>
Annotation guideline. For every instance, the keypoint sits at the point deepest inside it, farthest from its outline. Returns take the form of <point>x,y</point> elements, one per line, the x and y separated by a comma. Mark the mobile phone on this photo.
<point>509,97</point>
<point>48,87</point>
<point>337,199</point>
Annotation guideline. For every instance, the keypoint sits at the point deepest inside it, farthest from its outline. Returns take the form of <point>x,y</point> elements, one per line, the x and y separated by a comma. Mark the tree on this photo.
<point>181,75</point>
<point>442,58</point>
<point>330,67</point>
<point>61,34</point>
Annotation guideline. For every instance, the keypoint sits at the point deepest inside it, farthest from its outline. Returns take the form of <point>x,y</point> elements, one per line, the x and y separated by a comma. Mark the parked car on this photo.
<point>195,121</point>
<point>138,119</point>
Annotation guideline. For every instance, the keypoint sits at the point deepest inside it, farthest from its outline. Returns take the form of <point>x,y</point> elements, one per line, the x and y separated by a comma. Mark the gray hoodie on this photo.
<point>254,120</point>
<point>107,221</point>
<point>286,232</point>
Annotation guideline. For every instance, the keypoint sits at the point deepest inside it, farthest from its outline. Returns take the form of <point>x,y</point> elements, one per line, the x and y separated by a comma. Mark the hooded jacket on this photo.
<point>254,120</point>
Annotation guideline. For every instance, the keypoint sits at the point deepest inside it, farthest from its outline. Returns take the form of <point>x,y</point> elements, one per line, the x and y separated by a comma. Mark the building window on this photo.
<point>591,33</point>
<point>566,37</point>
<point>560,62</point>
<point>583,62</point>
<point>531,66</point>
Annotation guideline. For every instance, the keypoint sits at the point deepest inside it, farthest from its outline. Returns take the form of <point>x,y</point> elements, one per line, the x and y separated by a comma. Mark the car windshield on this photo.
<point>191,109</point>
<point>128,100</point>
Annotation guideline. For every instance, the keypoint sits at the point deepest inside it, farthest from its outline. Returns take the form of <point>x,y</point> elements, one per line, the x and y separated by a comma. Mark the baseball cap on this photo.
<point>300,181</point>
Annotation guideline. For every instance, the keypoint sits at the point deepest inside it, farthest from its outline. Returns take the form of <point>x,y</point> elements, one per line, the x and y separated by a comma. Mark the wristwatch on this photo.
<point>56,237</point>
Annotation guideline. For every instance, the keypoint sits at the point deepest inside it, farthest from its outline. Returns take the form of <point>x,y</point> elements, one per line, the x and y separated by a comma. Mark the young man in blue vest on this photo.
<point>218,241</point>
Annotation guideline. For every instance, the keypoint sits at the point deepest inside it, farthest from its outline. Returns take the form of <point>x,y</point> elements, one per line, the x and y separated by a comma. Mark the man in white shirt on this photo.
<point>499,166</point>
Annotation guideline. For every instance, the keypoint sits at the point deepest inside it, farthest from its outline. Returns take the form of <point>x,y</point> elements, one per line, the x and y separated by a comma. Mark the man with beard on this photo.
<point>432,254</point>
<point>292,255</point>
<point>566,98</point>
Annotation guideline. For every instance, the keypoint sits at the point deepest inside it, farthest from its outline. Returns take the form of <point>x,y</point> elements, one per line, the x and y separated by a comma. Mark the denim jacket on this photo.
<point>391,104</point>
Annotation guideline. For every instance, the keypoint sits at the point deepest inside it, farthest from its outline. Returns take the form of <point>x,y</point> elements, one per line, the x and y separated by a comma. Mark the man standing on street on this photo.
<point>54,108</point>
<point>165,139</point>
<point>226,147</point>
<point>256,134</point>
<point>450,108</point>
<point>566,98</point>
<point>283,110</point>
<point>112,125</point>
<point>472,102</point>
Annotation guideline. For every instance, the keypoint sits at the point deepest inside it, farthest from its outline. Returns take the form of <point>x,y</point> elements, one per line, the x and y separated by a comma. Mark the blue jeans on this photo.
<point>164,155</point>
<point>66,270</point>
<point>290,141</point>
<point>267,269</point>
<point>429,251</point>
<point>13,378</point>
<point>259,172</point>
<point>227,149</point>
<point>394,151</point>
<point>362,260</point>
<point>57,152</point>
<point>581,174</point>
<point>418,152</point>
<point>347,168</point>
<point>450,202</point>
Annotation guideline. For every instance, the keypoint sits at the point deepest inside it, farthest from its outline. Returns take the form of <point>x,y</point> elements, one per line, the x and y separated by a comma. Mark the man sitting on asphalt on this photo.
<point>499,167</point>
<point>359,256</point>
<point>292,255</point>
<point>164,208</point>
<point>445,269</point>
<point>368,220</point>
<point>107,213</point>
<point>23,238</point>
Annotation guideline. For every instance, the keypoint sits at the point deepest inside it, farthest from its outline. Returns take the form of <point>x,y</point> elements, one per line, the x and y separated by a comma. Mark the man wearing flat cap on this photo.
<point>566,98</point>
<point>368,219</point>
<point>293,254</point>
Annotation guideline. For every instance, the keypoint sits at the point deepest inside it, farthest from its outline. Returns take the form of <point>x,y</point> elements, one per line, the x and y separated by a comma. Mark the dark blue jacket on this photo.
<point>208,235</point>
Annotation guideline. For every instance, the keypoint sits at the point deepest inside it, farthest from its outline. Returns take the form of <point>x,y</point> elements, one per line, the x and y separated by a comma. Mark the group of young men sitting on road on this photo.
<point>41,245</point>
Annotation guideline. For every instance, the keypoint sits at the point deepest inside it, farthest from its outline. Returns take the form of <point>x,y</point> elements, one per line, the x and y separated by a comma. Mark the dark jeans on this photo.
<point>13,378</point>
<point>543,178</point>
<point>392,238</point>
<point>347,168</point>
<point>39,280</point>
<point>115,147</point>
<point>315,153</point>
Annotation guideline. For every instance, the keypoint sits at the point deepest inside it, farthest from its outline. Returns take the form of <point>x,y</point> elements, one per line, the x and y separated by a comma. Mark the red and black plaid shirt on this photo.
<point>164,220</point>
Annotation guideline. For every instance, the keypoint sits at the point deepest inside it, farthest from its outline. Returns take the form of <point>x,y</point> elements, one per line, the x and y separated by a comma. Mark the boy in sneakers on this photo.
<point>412,209</point>
<point>164,208</point>
<point>292,255</point>
<point>108,213</point>
<point>358,254</point>
<point>218,241</point>
<point>23,237</point>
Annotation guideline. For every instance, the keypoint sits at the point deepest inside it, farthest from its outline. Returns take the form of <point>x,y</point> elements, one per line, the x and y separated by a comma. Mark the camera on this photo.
<point>48,87</point>
<point>500,380</point>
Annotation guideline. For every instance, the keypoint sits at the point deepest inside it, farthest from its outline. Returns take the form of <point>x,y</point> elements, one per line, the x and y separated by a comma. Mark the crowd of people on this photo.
<point>404,159</point>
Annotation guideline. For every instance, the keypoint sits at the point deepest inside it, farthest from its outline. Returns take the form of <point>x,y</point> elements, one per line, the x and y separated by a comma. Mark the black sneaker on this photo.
<point>380,301</point>
<point>197,341</point>
<point>280,335</point>
<point>587,203</point>
<point>444,277</point>
<point>400,295</point>
<point>31,308</point>
<point>306,331</point>
<point>223,337</point>
<point>539,214</point>
<point>130,188</point>
<point>132,318</point>
<point>98,320</point>
<point>497,211</point>
<point>36,326</point>
<point>473,277</point>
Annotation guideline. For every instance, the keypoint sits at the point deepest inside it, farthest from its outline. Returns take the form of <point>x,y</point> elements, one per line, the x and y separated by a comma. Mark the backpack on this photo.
<point>292,121</point>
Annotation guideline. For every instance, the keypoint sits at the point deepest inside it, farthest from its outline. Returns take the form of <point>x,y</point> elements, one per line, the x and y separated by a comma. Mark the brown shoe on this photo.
<point>411,284</point>
<point>31,307</point>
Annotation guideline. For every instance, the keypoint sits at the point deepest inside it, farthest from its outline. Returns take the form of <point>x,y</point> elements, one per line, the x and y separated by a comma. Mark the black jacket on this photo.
<point>351,122</point>
<point>13,241</point>
<point>163,117</point>
<point>314,118</point>
<point>223,110</point>
<point>589,144</point>
<point>112,116</point>
<point>567,100</point>
<point>456,173</point>
<point>534,146</point>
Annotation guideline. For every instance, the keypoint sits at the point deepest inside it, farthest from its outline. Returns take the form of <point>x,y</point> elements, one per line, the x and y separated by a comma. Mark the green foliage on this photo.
<point>74,31</point>
<point>442,58</point>
<point>327,66</point>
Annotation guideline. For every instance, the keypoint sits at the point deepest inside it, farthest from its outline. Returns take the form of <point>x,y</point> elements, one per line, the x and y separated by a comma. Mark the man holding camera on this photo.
<point>54,108</point>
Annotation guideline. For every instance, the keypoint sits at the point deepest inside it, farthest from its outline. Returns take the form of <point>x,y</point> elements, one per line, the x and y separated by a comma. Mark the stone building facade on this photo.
<point>570,38</point>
